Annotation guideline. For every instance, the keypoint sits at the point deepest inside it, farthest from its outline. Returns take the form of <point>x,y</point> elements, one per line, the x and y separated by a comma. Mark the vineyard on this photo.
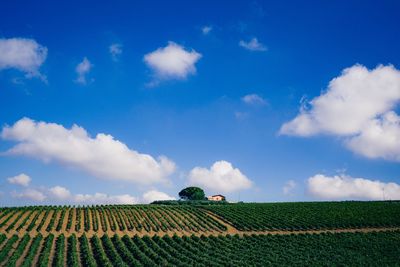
<point>357,249</point>
<point>107,219</point>
<point>202,235</point>
<point>310,215</point>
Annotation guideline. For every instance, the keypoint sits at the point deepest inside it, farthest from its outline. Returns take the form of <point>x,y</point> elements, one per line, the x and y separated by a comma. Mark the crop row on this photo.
<point>52,219</point>
<point>309,215</point>
<point>370,249</point>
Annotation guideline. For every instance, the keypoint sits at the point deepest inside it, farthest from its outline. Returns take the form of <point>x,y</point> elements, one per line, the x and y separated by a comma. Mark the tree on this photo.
<point>192,193</point>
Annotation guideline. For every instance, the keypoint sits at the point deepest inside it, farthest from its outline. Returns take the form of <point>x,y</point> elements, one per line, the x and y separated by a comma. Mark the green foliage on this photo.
<point>192,193</point>
<point>32,251</point>
<point>99,253</point>
<point>111,252</point>
<point>72,254</point>
<point>7,247</point>
<point>87,259</point>
<point>12,261</point>
<point>309,215</point>
<point>58,259</point>
<point>44,256</point>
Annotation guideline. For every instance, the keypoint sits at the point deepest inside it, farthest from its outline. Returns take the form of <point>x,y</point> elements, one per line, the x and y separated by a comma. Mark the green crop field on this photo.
<point>270,234</point>
<point>356,249</point>
<point>134,218</point>
<point>310,215</point>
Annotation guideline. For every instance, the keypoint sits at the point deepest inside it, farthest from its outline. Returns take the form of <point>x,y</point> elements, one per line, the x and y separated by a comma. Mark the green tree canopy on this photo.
<point>192,193</point>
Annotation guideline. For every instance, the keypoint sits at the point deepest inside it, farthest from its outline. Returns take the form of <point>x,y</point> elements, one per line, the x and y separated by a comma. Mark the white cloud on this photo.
<point>25,55</point>
<point>346,187</point>
<point>29,194</point>
<point>289,187</point>
<point>221,177</point>
<point>102,156</point>
<point>206,30</point>
<point>154,195</point>
<point>358,105</point>
<point>82,69</point>
<point>100,198</point>
<point>254,99</point>
<point>115,51</point>
<point>379,138</point>
<point>253,45</point>
<point>60,193</point>
<point>21,179</point>
<point>172,62</point>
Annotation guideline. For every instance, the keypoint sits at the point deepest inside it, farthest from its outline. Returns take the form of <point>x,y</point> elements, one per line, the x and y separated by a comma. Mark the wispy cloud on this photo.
<point>206,29</point>
<point>115,51</point>
<point>254,99</point>
<point>253,45</point>
<point>82,69</point>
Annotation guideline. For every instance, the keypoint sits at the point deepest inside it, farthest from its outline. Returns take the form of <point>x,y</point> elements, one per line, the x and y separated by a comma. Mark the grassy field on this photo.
<point>270,234</point>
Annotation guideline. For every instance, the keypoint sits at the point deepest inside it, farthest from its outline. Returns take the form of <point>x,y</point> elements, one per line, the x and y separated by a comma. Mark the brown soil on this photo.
<point>10,221</point>
<point>65,221</point>
<point>46,222</point>
<point>28,222</point>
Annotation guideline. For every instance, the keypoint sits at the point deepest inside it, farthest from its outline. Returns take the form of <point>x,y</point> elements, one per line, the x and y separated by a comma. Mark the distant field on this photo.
<point>309,215</point>
<point>99,219</point>
<point>355,249</point>
<point>278,234</point>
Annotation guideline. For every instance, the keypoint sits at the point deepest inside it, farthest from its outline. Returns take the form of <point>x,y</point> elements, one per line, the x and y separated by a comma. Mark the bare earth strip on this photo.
<point>46,222</point>
<point>16,225</point>
<point>28,222</point>
<point>64,223</point>
<point>10,221</point>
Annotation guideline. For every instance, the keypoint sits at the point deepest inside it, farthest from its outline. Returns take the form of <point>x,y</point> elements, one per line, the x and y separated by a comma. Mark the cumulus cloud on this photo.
<point>82,69</point>
<point>378,138</point>
<point>154,195</point>
<point>59,193</point>
<point>358,106</point>
<point>172,62</point>
<point>254,99</point>
<point>206,30</point>
<point>253,45</point>
<point>21,179</point>
<point>289,187</point>
<point>29,194</point>
<point>346,187</point>
<point>221,177</point>
<point>115,51</point>
<point>25,55</point>
<point>102,156</point>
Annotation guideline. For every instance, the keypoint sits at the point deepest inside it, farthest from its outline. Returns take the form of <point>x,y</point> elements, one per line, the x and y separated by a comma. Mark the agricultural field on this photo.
<point>107,219</point>
<point>201,235</point>
<point>309,215</point>
<point>356,249</point>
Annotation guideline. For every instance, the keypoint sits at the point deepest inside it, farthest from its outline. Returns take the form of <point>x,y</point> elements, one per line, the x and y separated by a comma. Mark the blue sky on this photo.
<point>187,100</point>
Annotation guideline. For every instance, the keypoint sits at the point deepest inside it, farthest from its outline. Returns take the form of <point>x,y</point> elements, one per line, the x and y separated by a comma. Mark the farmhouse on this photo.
<point>216,198</point>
